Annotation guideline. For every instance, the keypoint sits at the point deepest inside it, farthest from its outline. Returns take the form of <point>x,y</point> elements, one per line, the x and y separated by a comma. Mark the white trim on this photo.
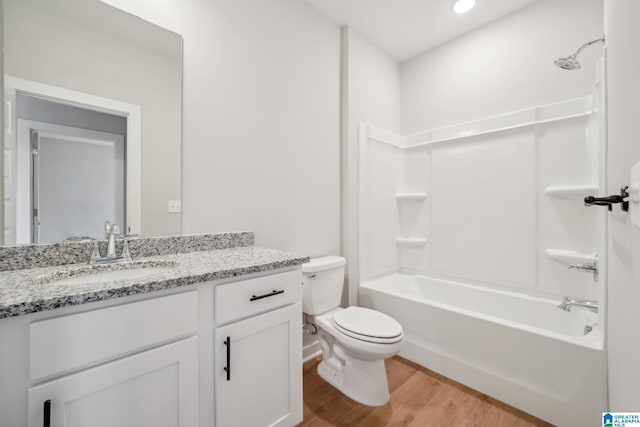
<point>57,137</point>
<point>363,184</point>
<point>311,351</point>
<point>575,108</point>
<point>579,107</point>
<point>500,129</point>
<point>386,137</point>
<point>132,112</point>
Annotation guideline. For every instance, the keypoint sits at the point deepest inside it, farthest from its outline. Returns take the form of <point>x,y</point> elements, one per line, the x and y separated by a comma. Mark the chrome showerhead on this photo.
<point>568,63</point>
<point>571,62</point>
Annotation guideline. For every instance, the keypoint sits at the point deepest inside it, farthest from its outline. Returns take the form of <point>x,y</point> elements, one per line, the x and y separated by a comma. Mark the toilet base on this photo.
<point>364,381</point>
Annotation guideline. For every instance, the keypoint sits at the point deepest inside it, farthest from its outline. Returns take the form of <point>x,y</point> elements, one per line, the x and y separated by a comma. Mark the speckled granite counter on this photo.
<point>23,291</point>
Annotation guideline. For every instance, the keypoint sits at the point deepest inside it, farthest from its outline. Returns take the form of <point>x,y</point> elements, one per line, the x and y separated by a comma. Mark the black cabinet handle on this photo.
<point>270,294</point>
<point>47,414</point>
<point>227,368</point>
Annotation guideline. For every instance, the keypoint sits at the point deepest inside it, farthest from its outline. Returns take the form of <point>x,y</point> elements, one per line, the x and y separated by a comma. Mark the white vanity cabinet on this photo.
<point>158,359</point>
<point>137,387</point>
<point>258,360</point>
<point>259,370</point>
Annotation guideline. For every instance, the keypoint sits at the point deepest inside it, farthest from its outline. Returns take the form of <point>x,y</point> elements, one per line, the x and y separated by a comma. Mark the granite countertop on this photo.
<point>32,290</point>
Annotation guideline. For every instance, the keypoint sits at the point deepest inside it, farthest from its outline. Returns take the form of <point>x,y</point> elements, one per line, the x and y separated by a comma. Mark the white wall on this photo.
<point>372,80</point>
<point>261,147</point>
<point>52,49</point>
<point>502,67</point>
<point>623,69</point>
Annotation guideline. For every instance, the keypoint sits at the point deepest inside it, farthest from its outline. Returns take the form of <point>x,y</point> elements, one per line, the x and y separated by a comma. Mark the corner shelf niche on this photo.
<point>411,242</point>
<point>411,197</point>
<point>569,256</point>
<point>571,191</point>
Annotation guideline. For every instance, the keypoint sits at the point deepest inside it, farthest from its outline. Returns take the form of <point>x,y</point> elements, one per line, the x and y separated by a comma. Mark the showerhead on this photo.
<point>571,62</point>
<point>568,63</point>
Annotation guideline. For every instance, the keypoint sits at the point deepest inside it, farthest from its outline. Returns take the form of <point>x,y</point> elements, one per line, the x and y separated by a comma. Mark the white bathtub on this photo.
<point>520,349</point>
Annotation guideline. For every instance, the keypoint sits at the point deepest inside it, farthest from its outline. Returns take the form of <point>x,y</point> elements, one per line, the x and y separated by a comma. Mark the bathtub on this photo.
<point>517,348</point>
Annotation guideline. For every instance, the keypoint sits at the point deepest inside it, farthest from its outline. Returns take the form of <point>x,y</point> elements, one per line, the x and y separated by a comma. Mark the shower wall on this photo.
<point>493,202</point>
<point>371,94</point>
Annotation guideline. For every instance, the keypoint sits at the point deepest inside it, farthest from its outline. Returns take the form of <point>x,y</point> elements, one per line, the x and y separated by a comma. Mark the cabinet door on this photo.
<point>157,388</point>
<point>258,365</point>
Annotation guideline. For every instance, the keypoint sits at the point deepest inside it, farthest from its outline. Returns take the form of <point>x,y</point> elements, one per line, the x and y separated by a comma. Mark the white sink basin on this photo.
<point>103,273</point>
<point>110,276</point>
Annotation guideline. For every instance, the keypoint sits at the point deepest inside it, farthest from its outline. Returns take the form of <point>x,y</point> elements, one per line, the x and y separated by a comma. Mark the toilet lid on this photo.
<point>368,325</point>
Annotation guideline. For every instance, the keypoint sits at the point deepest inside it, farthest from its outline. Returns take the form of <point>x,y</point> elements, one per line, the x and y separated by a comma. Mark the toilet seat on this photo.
<point>368,325</point>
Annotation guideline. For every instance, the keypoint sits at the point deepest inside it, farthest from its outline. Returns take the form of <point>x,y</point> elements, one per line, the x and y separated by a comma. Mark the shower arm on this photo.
<point>586,45</point>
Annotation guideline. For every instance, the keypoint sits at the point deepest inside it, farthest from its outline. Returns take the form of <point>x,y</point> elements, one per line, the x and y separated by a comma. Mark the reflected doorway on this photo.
<point>70,174</point>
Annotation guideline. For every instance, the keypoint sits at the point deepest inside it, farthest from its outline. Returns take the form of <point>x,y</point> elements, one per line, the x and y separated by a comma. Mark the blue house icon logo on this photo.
<point>607,420</point>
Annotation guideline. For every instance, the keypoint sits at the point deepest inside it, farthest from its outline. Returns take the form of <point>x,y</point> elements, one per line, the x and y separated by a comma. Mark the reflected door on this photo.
<point>78,183</point>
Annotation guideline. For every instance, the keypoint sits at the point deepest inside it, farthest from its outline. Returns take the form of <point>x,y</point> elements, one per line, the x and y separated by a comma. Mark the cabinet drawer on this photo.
<point>248,297</point>
<point>78,340</point>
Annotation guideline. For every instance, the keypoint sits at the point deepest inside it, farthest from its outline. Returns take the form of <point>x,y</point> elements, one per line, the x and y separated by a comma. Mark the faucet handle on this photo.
<point>115,230</point>
<point>107,229</point>
<point>591,267</point>
<point>125,250</point>
<point>585,267</point>
<point>95,253</point>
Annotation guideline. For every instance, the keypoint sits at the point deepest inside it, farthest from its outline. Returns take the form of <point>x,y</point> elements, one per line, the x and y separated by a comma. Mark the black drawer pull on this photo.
<point>270,294</point>
<point>47,414</point>
<point>227,368</point>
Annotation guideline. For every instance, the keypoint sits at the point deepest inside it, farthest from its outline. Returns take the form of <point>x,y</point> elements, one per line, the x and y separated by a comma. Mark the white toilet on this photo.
<point>355,340</point>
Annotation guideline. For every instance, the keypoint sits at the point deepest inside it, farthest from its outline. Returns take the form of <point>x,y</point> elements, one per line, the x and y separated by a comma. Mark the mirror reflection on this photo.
<point>93,100</point>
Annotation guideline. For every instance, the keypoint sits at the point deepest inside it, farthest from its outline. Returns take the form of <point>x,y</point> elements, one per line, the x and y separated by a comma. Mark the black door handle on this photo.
<point>270,294</point>
<point>227,368</point>
<point>609,201</point>
<point>47,414</point>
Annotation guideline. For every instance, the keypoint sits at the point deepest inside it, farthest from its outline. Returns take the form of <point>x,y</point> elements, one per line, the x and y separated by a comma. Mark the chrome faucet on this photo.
<point>590,267</point>
<point>569,302</point>
<point>110,233</point>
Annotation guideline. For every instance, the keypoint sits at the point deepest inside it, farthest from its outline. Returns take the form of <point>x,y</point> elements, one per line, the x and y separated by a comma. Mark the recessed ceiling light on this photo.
<point>463,6</point>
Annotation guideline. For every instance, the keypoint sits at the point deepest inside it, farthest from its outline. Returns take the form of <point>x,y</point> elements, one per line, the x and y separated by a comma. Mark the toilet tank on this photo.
<point>322,281</point>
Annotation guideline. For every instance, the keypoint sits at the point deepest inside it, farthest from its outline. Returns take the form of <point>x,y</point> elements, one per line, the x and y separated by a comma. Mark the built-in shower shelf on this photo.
<point>411,242</point>
<point>411,197</point>
<point>570,257</point>
<point>570,191</point>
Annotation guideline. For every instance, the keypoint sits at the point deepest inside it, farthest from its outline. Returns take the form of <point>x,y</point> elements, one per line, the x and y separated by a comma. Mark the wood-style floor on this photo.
<point>419,397</point>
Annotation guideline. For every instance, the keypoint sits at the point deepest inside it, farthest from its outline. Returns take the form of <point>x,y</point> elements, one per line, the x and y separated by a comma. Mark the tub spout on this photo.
<point>568,303</point>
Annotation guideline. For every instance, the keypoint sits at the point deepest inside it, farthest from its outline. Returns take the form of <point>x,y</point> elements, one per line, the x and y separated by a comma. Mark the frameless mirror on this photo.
<point>93,106</point>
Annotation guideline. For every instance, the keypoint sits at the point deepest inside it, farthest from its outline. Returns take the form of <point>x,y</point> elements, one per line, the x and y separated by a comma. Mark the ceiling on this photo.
<point>405,28</point>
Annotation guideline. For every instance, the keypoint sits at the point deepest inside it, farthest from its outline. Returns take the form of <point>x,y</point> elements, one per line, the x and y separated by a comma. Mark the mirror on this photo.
<point>93,122</point>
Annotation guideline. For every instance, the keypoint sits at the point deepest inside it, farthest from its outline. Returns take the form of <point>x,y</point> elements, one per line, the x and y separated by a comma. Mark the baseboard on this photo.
<point>311,350</point>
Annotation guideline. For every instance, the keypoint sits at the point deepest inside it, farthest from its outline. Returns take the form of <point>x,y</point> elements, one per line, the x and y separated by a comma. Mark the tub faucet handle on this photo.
<point>585,267</point>
<point>591,267</point>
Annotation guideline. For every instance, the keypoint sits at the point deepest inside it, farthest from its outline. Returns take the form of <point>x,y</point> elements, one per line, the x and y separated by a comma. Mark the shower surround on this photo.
<point>466,234</point>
